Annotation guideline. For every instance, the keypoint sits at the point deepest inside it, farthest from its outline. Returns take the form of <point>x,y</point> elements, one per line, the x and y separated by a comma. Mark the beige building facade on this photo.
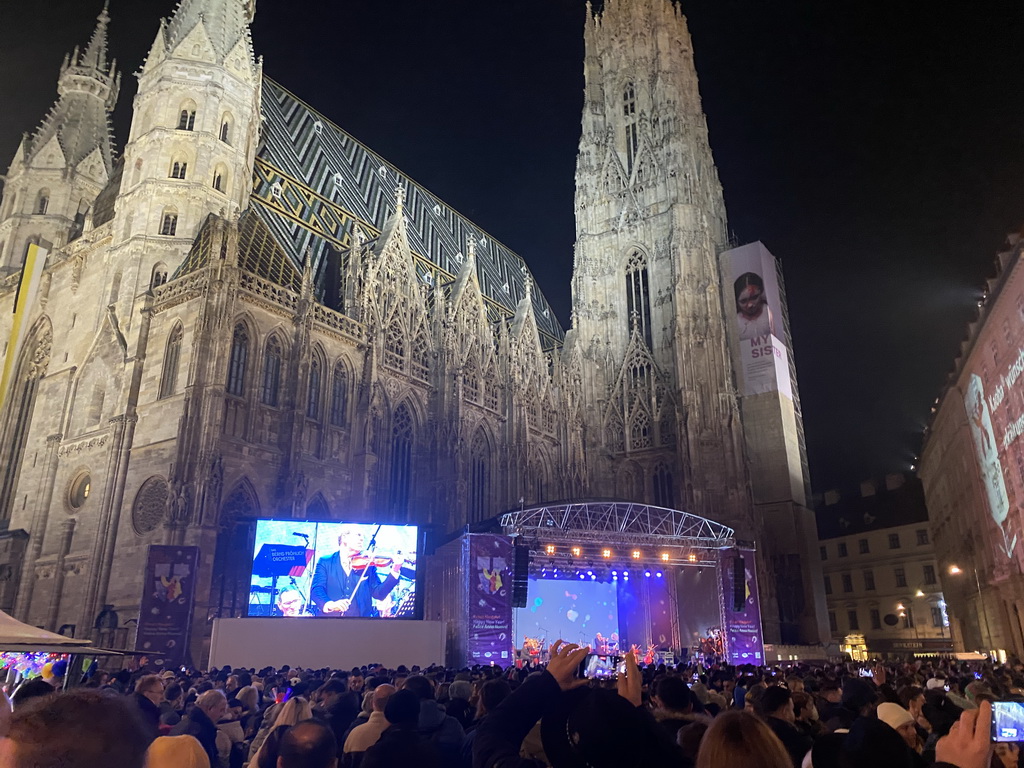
<point>880,573</point>
<point>250,314</point>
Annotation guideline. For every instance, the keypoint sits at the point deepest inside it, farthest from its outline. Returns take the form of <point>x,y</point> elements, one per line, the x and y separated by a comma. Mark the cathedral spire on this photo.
<point>224,24</point>
<point>88,87</point>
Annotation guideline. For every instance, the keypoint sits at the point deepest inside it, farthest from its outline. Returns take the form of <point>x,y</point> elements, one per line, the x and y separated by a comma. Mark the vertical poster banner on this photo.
<point>741,614</point>
<point>165,616</point>
<point>490,599</point>
<point>24,300</point>
<point>750,280</point>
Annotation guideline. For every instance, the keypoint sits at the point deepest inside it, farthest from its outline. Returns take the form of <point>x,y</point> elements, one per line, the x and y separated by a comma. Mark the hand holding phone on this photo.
<point>968,744</point>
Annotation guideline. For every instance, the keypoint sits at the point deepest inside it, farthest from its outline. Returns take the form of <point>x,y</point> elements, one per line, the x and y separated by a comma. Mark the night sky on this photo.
<point>876,148</point>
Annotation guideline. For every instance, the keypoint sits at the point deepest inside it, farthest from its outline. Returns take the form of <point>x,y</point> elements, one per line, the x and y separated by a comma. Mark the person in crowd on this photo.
<point>806,715</point>
<point>829,699</point>
<point>858,699</point>
<point>492,693</point>
<point>401,744</point>
<point>439,728</point>
<point>364,736</point>
<point>293,711</point>
<point>795,683</point>
<point>779,713</point>
<point>119,682</point>
<point>31,689</point>
<point>231,748</point>
<point>308,744</point>
<point>83,728</point>
<point>458,706</point>
<point>673,705</point>
<point>338,707</point>
<point>177,752</point>
<point>148,696</point>
<point>201,722</point>
<point>173,705</point>
<point>901,721</point>
<point>911,698</point>
<point>741,739</point>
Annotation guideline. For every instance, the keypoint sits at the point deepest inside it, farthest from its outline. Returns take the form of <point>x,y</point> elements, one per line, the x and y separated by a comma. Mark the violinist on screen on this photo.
<point>346,583</point>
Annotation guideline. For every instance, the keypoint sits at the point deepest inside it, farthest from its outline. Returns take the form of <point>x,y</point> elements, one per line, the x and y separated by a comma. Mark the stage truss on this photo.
<point>607,532</point>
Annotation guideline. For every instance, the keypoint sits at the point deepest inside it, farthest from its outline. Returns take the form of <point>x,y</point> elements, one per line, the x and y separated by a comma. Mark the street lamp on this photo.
<point>955,570</point>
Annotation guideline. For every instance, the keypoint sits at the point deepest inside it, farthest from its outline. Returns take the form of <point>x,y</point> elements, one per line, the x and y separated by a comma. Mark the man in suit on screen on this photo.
<point>346,582</point>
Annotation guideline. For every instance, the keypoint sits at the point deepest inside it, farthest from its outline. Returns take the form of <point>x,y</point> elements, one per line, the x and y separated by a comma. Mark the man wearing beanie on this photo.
<point>901,721</point>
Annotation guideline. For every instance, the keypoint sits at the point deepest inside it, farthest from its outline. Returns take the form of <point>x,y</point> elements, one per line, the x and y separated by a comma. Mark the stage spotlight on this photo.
<point>582,576</point>
<point>692,557</point>
<point>647,574</point>
<point>575,551</point>
<point>606,553</point>
<point>592,577</point>
<point>625,573</point>
<point>664,557</point>
<point>659,574</point>
<point>550,549</point>
<point>615,573</point>
<point>590,573</point>
<point>636,554</point>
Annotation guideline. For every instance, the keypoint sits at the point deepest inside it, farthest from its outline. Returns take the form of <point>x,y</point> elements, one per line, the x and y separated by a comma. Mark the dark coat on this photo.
<point>403,748</point>
<point>197,724</point>
<point>331,583</point>
<point>796,742</point>
<point>150,714</point>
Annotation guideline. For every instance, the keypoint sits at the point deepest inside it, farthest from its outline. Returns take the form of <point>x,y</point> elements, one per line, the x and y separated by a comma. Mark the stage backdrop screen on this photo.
<point>333,570</point>
<point>584,612</point>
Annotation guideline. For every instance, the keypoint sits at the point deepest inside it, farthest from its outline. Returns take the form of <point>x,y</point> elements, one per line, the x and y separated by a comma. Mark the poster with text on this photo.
<point>490,599</point>
<point>744,643</point>
<point>165,615</point>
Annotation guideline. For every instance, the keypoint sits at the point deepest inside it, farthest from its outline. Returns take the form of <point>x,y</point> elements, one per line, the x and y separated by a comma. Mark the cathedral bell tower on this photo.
<point>663,423</point>
<point>57,173</point>
<point>195,126</point>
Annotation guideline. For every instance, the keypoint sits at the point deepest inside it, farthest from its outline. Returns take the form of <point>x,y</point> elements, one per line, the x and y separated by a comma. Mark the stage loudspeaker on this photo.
<point>739,584</point>
<point>520,576</point>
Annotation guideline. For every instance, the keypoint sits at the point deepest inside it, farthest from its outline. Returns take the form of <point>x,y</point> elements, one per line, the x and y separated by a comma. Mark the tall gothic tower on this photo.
<point>57,173</point>
<point>663,423</point>
<point>190,152</point>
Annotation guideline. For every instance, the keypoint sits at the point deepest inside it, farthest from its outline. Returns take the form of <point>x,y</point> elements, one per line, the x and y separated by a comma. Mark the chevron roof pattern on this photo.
<point>313,182</point>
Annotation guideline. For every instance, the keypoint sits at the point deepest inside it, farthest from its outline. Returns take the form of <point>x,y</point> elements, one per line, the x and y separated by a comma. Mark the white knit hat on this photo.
<point>894,715</point>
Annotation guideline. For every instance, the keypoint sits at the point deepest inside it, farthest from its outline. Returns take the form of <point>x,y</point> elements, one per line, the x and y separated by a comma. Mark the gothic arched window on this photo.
<point>630,120</point>
<point>479,477</point>
<point>401,460</point>
<point>316,372</point>
<point>237,361</point>
<point>272,358</point>
<point>339,395</point>
<point>172,354</point>
<point>42,201</point>
<point>421,355</point>
<point>178,168</point>
<point>187,117</point>
<point>169,222</point>
<point>638,295</point>
<point>640,431</point>
<point>220,179</point>
<point>664,493</point>
<point>158,276</point>
<point>225,128</point>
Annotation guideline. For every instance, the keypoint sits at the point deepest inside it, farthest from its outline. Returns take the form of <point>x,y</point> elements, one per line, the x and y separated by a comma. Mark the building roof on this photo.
<point>315,182</point>
<point>884,508</point>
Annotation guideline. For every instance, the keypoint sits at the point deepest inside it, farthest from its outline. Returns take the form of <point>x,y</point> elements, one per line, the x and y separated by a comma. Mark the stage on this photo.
<point>611,575</point>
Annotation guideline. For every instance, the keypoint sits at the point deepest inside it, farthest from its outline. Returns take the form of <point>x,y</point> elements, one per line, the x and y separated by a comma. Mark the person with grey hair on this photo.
<point>201,721</point>
<point>459,694</point>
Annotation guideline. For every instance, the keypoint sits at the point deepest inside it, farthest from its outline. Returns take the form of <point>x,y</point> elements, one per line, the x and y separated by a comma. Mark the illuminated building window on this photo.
<point>638,295</point>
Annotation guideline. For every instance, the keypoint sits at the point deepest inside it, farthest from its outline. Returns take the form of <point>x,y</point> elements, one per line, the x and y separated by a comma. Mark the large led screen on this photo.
<point>333,570</point>
<point>584,612</point>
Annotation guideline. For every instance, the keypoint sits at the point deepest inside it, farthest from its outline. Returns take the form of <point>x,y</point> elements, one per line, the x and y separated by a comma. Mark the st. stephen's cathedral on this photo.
<point>247,312</point>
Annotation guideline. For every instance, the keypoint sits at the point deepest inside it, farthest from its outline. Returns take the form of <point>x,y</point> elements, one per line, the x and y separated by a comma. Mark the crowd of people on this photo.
<point>898,715</point>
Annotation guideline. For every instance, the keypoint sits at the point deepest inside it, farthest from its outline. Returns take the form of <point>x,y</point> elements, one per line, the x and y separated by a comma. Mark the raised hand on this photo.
<point>565,658</point>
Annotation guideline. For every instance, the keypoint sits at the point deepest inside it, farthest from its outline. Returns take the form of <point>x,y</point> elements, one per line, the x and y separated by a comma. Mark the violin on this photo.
<point>384,562</point>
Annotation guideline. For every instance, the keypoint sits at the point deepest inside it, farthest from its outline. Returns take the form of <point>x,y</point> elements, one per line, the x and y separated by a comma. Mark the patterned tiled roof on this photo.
<point>314,182</point>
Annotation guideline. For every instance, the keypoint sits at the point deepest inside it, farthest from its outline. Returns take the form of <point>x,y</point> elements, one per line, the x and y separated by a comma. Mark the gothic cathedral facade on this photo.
<point>248,313</point>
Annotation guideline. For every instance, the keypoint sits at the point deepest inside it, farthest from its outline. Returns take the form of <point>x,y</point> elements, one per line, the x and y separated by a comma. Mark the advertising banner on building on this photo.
<point>741,613</point>
<point>750,280</point>
<point>490,599</point>
<point>166,613</point>
<point>24,301</point>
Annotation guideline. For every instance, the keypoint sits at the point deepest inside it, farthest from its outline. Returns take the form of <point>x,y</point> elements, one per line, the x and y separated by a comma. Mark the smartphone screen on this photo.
<point>1008,721</point>
<point>601,667</point>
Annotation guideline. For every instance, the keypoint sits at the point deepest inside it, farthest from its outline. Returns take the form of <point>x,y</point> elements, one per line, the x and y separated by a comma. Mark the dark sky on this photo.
<point>876,148</point>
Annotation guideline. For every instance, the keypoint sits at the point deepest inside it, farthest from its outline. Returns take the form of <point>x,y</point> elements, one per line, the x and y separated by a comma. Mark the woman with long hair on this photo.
<point>740,738</point>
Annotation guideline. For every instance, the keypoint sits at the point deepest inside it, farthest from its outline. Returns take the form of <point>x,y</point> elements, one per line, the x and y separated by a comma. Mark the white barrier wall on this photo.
<point>317,643</point>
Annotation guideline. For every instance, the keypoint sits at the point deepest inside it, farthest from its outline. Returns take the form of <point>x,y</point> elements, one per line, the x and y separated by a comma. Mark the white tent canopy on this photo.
<point>18,636</point>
